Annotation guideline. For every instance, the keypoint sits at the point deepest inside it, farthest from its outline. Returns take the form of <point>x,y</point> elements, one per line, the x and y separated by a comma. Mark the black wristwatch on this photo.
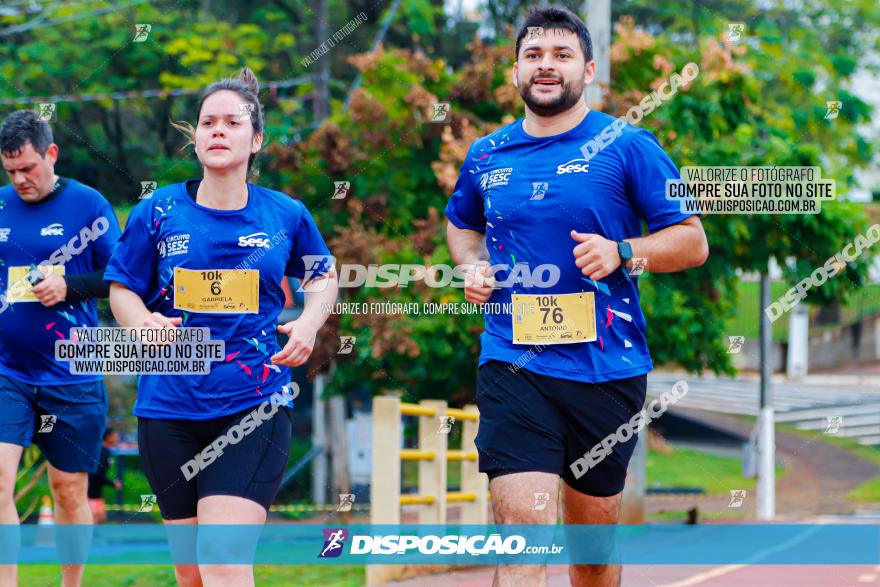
<point>625,250</point>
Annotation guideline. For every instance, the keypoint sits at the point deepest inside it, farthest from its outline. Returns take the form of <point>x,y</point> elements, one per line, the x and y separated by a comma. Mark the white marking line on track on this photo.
<point>866,578</point>
<point>699,578</point>
<point>723,570</point>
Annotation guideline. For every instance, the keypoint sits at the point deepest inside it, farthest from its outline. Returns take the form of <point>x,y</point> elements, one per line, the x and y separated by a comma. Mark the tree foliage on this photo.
<point>759,102</point>
<point>752,104</point>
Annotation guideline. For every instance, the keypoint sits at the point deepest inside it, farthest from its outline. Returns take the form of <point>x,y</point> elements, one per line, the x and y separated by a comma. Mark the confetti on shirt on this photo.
<point>598,285</point>
<point>257,345</point>
<point>622,315</point>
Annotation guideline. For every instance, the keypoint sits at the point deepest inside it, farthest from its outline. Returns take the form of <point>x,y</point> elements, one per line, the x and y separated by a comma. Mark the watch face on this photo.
<point>625,250</point>
<point>34,275</point>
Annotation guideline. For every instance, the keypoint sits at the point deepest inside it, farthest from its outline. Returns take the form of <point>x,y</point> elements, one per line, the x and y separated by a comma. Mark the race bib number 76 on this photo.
<point>554,318</point>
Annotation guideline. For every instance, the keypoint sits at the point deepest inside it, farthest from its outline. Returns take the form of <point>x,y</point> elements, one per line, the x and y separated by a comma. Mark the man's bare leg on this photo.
<point>70,493</point>
<point>585,509</point>
<point>10,455</point>
<point>513,502</point>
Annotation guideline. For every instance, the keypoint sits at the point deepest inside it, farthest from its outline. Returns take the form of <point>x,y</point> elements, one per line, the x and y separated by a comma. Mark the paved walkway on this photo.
<point>817,476</point>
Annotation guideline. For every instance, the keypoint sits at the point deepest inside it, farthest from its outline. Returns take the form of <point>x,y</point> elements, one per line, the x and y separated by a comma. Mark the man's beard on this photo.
<point>568,97</point>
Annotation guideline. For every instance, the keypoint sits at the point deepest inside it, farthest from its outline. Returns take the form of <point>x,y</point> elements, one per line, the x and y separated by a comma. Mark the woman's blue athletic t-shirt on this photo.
<point>527,193</point>
<point>270,234</point>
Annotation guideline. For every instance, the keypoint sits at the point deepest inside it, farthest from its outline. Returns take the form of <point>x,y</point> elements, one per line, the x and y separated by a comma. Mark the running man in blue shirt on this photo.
<point>568,365</point>
<point>224,230</point>
<point>56,236</point>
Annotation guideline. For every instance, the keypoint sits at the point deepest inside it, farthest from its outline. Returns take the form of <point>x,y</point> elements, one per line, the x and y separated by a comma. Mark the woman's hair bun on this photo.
<point>247,77</point>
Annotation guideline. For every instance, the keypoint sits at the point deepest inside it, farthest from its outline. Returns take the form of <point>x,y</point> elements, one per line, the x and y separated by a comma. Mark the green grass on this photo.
<point>748,310</point>
<point>746,320</point>
<point>163,575</point>
<point>122,212</point>
<point>690,468</point>
<point>867,492</point>
<point>410,474</point>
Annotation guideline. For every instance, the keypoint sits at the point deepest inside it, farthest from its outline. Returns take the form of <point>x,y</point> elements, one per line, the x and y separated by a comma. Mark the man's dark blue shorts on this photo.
<point>65,421</point>
<point>532,422</point>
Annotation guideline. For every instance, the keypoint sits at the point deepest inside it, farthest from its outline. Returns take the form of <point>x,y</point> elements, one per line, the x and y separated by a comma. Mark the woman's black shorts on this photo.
<point>186,460</point>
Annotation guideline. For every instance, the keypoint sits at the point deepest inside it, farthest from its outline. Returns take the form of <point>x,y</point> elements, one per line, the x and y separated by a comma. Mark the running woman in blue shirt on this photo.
<point>217,228</point>
<point>56,236</point>
<point>568,365</point>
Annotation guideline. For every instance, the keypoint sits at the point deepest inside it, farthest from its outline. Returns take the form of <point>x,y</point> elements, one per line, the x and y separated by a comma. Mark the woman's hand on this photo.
<point>299,346</point>
<point>157,320</point>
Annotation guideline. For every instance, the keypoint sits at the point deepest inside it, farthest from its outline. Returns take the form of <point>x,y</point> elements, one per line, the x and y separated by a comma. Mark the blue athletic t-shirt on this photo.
<point>270,234</point>
<point>527,193</point>
<point>76,228</point>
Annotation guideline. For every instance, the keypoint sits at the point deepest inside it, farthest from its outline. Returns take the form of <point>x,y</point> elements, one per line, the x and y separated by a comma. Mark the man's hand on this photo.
<point>299,346</point>
<point>51,290</point>
<point>478,284</point>
<point>117,484</point>
<point>596,256</point>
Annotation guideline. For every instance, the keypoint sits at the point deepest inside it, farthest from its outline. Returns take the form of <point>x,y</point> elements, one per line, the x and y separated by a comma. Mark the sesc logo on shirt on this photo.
<point>257,239</point>
<point>55,229</point>
<point>176,244</point>
<point>495,178</point>
<point>573,166</point>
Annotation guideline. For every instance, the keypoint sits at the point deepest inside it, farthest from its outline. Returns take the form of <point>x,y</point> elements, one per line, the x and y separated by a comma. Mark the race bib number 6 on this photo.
<point>554,319</point>
<point>217,291</point>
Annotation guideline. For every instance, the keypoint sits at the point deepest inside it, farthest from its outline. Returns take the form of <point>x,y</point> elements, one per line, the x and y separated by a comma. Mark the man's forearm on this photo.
<point>86,285</point>
<point>675,248</point>
<point>467,247</point>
